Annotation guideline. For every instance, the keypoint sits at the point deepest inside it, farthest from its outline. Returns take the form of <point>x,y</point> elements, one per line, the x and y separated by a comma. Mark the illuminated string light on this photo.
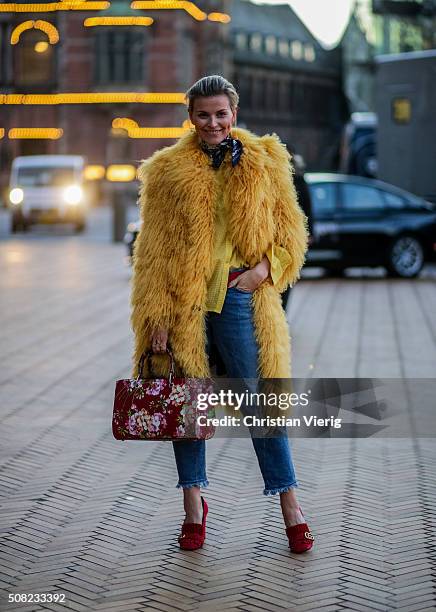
<point>124,123</point>
<point>41,46</point>
<point>49,29</point>
<point>94,172</point>
<point>94,98</point>
<point>185,5</point>
<point>134,131</point>
<point>221,17</point>
<point>16,32</point>
<point>121,21</point>
<point>47,133</point>
<point>2,133</point>
<point>65,5</point>
<point>44,26</point>
<point>120,173</point>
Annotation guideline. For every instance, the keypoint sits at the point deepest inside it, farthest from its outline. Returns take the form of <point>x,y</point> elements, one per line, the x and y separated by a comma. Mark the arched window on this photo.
<point>309,52</point>
<point>284,48</point>
<point>5,53</point>
<point>34,60</point>
<point>271,44</point>
<point>256,42</point>
<point>241,41</point>
<point>296,50</point>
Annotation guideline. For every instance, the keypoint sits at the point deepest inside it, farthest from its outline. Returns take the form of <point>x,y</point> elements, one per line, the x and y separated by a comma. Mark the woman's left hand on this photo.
<point>251,279</point>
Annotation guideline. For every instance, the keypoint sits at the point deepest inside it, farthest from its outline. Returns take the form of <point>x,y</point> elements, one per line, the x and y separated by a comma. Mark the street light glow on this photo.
<point>16,195</point>
<point>121,173</point>
<point>41,46</point>
<point>73,194</point>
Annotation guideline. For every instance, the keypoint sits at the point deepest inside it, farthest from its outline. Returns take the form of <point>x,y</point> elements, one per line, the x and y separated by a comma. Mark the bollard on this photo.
<point>119,214</point>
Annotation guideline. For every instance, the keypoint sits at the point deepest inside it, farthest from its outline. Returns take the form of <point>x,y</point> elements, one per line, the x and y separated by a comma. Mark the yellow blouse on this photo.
<point>226,257</point>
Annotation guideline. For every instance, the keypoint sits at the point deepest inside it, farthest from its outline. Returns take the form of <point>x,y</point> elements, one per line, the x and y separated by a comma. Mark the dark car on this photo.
<point>362,222</point>
<point>365,222</point>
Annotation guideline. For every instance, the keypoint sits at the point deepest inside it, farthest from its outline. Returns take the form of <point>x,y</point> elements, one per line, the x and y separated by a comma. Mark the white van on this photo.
<point>47,189</point>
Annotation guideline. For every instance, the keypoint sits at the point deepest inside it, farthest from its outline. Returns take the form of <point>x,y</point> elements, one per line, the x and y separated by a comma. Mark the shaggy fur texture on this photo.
<point>172,260</point>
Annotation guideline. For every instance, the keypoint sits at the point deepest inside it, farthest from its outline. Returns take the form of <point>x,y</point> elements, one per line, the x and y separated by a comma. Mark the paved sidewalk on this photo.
<point>97,520</point>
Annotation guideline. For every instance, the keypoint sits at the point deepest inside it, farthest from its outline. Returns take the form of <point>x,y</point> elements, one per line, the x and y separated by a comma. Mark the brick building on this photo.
<point>287,82</point>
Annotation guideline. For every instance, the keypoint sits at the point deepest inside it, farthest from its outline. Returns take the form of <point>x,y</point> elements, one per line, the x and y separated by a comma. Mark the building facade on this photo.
<point>288,83</point>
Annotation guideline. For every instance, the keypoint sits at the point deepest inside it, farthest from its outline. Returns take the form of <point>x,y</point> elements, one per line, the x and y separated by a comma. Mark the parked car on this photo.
<point>360,221</point>
<point>47,189</point>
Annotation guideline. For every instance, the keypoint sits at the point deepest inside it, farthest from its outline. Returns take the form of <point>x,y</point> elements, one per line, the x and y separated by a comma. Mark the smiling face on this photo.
<point>213,118</point>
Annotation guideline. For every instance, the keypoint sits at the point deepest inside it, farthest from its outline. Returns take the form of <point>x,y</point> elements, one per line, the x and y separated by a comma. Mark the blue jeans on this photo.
<point>232,332</point>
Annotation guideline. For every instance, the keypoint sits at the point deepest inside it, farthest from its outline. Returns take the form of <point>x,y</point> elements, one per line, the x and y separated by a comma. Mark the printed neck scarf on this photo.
<point>217,152</point>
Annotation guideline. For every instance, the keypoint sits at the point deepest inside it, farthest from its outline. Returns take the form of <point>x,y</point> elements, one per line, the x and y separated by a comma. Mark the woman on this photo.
<point>222,236</point>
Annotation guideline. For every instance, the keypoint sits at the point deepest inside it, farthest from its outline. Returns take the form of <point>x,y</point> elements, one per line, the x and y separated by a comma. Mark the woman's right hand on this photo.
<point>159,339</point>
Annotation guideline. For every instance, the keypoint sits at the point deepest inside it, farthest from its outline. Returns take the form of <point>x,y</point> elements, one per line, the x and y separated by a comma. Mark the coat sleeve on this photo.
<point>291,224</point>
<point>151,300</point>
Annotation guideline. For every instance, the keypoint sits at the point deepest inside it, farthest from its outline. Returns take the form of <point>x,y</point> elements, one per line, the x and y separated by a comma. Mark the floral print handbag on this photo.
<point>162,408</point>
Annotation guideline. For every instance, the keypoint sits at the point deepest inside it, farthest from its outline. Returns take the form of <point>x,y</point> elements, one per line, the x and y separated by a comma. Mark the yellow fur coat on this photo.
<point>172,259</point>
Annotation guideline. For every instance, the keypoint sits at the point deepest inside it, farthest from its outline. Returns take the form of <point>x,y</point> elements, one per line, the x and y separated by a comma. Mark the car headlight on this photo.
<point>73,194</point>
<point>16,195</point>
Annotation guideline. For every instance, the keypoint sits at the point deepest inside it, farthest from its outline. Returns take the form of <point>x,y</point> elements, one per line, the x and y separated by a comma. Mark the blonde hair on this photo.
<point>213,85</point>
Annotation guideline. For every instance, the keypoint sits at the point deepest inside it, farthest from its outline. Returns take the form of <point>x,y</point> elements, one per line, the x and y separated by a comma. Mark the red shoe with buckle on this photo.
<point>300,538</point>
<point>194,534</point>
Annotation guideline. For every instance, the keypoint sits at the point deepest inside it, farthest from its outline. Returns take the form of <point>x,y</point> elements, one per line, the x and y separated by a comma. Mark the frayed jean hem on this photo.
<point>280,489</point>
<point>202,483</point>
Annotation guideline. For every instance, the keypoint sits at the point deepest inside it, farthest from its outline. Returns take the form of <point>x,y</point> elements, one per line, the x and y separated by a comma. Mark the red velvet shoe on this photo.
<point>300,538</point>
<point>194,534</point>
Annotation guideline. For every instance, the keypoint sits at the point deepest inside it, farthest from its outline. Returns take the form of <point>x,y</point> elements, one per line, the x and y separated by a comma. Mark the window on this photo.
<point>275,94</point>
<point>262,93</point>
<point>361,198</point>
<point>309,52</point>
<point>291,97</point>
<point>283,97</point>
<point>241,41</point>
<point>299,101</point>
<point>271,44</point>
<point>256,42</point>
<point>284,48</point>
<point>392,200</point>
<point>323,198</point>
<point>5,53</point>
<point>296,50</point>
<point>119,56</point>
<point>250,90</point>
<point>34,60</point>
<point>45,176</point>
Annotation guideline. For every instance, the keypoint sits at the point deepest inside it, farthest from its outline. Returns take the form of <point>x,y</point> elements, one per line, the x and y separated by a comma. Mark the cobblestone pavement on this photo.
<point>97,519</point>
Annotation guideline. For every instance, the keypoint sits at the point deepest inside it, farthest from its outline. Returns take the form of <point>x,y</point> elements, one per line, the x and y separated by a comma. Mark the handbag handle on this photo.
<point>147,355</point>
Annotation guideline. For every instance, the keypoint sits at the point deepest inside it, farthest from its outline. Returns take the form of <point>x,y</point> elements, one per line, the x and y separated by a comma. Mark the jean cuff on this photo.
<point>279,489</point>
<point>201,483</point>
